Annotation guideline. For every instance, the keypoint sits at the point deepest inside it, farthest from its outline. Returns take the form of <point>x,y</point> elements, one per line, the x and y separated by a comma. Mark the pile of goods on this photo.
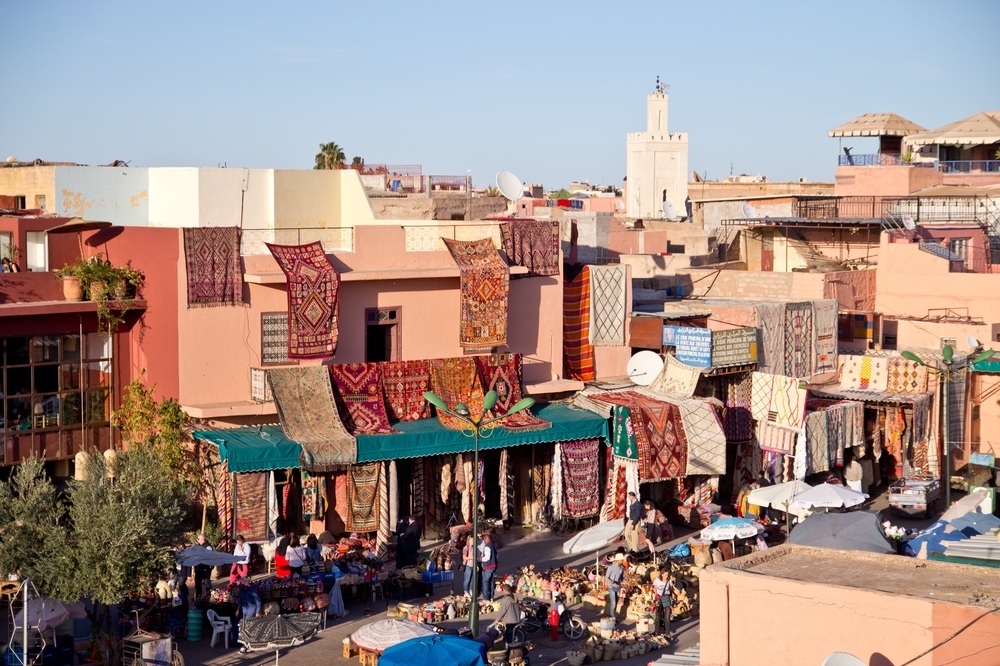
<point>571,583</point>
<point>620,645</point>
<point>447,608</point>
<point>278,594</point>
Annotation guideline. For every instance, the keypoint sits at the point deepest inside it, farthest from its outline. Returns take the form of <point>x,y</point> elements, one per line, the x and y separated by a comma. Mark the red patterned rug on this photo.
<point>313,299</point>
<point>533,244</point>
<point>485,285</point>
<point>581,482</point>
<point>358,388</point>
<point>455,381</point>
<point>251,505</point>
<point>304,399</point>
<point>502,373</point>
<point>212,262</point>
<point>362,498</point>
<point>578,352</point>
<point>405,383</point>
<point>659,434</point>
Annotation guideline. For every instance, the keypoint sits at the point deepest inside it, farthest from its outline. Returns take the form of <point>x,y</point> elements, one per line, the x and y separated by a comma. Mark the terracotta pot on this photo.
<point>72,291</point>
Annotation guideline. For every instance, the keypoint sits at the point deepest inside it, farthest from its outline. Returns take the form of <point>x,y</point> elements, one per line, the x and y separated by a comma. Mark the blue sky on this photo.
<point>545,89</point>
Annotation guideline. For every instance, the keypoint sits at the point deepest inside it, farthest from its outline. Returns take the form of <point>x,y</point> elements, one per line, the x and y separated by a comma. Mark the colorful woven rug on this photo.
<point>251,505</point>
<point>738,422</point>
<point>405,383</point>
<point>771,330</point>
<point>309,417</point>
<point>777,440</point>
<point>314,499</point>
<point>358,388</point>
<point>502,373</point>
<point>676,379</point>
<point>905,376</point>
<point>607,302</point>
<point>826,336</point>
<point>485,285</point>
<point>362,498</point>
<point>384,529</point>
<point>313,299</point>
<point>863,326</point>
<point>455,381</point>
<point>817,447</point>
<point>706,442</point>
<point>580,478</point>
<point>225,505</point>
<point>212,263</point>
<point>799,355</point>
<point>845,327</point>
<point>578,352</point>
<point>667,454</point>
<point>864,373</point>
<point>533,244</point>
<point>624,444</point>
<point>787,405</point>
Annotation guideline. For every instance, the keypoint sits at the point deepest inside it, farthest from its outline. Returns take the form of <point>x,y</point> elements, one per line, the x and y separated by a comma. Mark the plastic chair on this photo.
<point>220,625</point>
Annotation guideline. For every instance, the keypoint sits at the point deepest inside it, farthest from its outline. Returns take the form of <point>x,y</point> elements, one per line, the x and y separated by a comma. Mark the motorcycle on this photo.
<point>535,616</point>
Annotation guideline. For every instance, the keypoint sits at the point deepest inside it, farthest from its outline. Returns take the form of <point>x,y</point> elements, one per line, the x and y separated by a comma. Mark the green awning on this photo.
<point>256,449</point>
<point>988,365</point>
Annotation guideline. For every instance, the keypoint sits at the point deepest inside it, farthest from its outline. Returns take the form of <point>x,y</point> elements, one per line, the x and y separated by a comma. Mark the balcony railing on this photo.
<point>969,166</point>
<point>878,159</point>
<point>921,209</point>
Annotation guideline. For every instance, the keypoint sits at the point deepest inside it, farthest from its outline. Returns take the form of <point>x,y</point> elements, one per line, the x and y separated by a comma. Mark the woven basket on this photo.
<point>575,658</point>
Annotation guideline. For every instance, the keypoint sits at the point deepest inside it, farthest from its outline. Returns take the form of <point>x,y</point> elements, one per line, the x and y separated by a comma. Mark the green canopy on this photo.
<point>989,365</point>
<point>255,449</point>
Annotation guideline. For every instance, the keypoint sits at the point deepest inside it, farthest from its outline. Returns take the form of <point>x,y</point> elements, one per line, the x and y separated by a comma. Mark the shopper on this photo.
<point>664,587</point>
<point>240,569</point>
<point>510,612</point>
<point>652,528</point>
<point>488,560</point>
<point>632,522</point>
<point>296,555</point>
<point>281,559</point>
<point>314,551</point>
<point>469,564</point>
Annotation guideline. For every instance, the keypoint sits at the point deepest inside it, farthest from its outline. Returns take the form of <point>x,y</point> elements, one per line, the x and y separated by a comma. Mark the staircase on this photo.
<point>992,227</point>
<point>689,656</point>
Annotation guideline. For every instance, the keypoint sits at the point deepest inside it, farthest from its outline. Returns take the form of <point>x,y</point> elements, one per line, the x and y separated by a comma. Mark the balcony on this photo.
<point>969,166</point>
<point>878,159</point>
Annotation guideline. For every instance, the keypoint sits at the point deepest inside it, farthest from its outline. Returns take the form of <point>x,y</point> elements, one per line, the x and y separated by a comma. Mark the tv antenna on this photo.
<point>510,187</point>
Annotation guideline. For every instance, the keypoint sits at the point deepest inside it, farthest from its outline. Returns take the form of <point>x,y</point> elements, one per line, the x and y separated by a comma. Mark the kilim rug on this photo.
<point>607,302</point>
<point>676,379</point>
<point>455,381</point>
<point>304,399</point>
<point>826,336</point>
<point>706,442</point>
<point>864,373</point>
<point>668,447</point>
<point>506,486</point>
<point>313,299</point>
<point>502,373</point>
<point>341,500</point>
<point>580,478</point>
<point>556,494</point>
<point>533,244</point>
<point>771,330</point>
<point>212,263</point>
<point>863,326</point>
<point>787,406</point>
<point>578,352</point>
<point>817,447</point>
<point>358,388</point>
<point>905,376</point>
<point>393,477</point>
<point>362,498</point>
<point>778,440</point>
<point>738,422</point>
<point>799,354</point>
<point>384,529</point>
<point>251,505</point>
<point>845,327</point>
<point>760,394</point>
<point>405,383</point>
<point>225,502</point>
<point>922,404</point>
<point>624,444</point>
<point>485,284</point>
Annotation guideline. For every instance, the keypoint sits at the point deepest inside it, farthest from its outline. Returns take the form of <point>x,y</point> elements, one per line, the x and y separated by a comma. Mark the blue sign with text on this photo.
<point>694,346</point>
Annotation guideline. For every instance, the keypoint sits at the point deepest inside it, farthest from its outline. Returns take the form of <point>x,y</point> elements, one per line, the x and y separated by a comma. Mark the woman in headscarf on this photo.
<point>280,560</point>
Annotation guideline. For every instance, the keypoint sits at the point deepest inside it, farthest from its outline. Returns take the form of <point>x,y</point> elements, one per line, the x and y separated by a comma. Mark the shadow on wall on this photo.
<point>879,659</point>
<point>525,299</point>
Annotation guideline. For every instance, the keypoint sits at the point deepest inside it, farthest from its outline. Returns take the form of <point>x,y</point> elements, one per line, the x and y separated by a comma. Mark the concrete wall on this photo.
<point>753,285</point>
<point>222,201</point>
<point>173,200</point>
<point>437,207</point>
<point>31,183</point>
<point>711,213</point>
<point>320,198</point>
<point>855,290</point>
<point>884,181</point>
<point>119,195</point>
<point>720,190</point>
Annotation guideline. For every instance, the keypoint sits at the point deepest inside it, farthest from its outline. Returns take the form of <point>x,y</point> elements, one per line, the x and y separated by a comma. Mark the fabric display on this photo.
<point>384,529</point>
<point>676,379</point>
<point>362,496</point>
<point>771,331</point>
<point>485,284</point>
<point>533,244</point>
<point>825,319</point>
<point>667,442</point>
<point>787,405</point>
<point>314,501</point>
<point>405,383</point>
<point>212,264</point>
<point>817,447</point>
<point>800,460</point>
<point>580,478</point>
<point>863,326</point>
<point>556,493</point>
<point>419,494</point>
<point>225,508</point>
<point>864,373</point>
<point>392,476</point>
<point>607,302</point>
<point>623,443</point>
<point>506,486</point>
<point>313,286</point>
<point>502,373</point>
<point>749,461</point>
<point>272,507</point>
<point>468,482</point>
<point>774,439</point>
<point>251,505</point>
<point>359,389</point>
<point>705,438</point>
<point>578,352</point>
<point>799,332</point>
<point>455,380</point>
<point>905,376</point>
<point>304,400</point>
<point>614,503</point>
<point>760,394</point>
<point>922,404</point>
<point>737,420</point>
<point>341,502</point>
<point>845,327</point>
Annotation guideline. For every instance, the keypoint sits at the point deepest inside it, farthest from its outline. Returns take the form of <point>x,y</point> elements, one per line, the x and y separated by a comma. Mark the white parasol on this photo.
<point>829,496</point>
<point>595,538</point>
<point>731,528</point>
<point>44,613</point>
<point>378,636</point>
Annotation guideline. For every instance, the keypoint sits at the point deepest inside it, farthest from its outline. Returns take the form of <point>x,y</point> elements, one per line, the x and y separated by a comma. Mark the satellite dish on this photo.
<point>842,659</point>
<point>973,342</point>
<point>749,212</point>
<point>909,223</point>
<point>669,211</point>
<point>619,204</point>
<point>510,185</point>
<point>644,367</point>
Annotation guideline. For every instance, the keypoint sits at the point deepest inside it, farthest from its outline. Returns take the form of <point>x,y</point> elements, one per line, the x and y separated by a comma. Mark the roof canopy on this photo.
<point>877,124</point>
<point>980,129</point>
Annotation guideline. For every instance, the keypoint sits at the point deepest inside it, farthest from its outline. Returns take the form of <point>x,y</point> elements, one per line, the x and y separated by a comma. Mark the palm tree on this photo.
<point>330,155</point>
<point>358,160</point>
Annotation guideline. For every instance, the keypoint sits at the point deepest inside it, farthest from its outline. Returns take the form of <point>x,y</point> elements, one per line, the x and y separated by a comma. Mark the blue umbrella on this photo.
<point>847,531</point>
<point>933,539</point>
<point>437,650</point>
<point>972,524</point>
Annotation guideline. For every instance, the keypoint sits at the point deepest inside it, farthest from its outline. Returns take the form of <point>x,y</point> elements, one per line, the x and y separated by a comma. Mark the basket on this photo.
<point>497,656</point>
<point>575,658</point>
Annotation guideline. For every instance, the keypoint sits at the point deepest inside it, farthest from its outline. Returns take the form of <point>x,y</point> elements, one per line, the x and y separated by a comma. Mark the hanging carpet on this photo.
<point>845,327</point>
<point>607,300</point>
<point>771,331</point>
<point>676,379</point>
<point>384,528</point>
<point>314,499</point>
<point>864,373</point>
<point>760,394</point>
<point>455,381</point>
<point>225,503</point>
<point>817,447</point>
<point>359,389</point>
<point>362,498</point>
<point>502,373</point>
<point>624,443</point>
<point>775,439</point>
<point>405,383</point>
<point>578,352</point>
<point>533,244</point>
<point>706,441</point>
<point>485,284</point>
<point>799,353</point>
<point>304,399</point>
<point>659,434</point>
<point>749,462</point>
<point>787,405</point>
<point>251,505</point>
<point>826,336</point>
<point>580,478</point>
<point>313,286</point>
<point>738,422</point>
<point>863,326</point>
<point>905,376</point>
<point>212,265</point>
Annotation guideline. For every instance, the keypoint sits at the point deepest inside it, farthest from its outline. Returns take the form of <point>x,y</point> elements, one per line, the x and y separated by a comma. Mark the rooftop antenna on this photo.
<point>643,367</point>
<point>749,212</point>
<point>669,212</point>
<point>511,187</point>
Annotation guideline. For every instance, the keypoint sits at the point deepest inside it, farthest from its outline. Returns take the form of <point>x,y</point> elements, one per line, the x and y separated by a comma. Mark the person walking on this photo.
<point>202,573</point>
<point>240,569</point>
<point>613,577</point>
<point>510,612</point>
<point>469,563</point>
<point>488,560</point>
<point>632,522</point>
<point>412,537</point>
<point>664,587</point>
<point>651,527</point>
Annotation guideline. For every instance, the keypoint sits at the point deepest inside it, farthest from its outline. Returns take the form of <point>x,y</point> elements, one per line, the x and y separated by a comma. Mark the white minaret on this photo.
<point>657,162</point>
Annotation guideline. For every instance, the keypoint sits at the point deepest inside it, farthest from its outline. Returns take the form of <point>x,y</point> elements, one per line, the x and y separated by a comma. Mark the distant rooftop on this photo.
<point>877,124</point>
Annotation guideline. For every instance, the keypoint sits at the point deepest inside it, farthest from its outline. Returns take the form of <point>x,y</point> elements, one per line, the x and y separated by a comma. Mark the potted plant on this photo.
<point>104,284</point>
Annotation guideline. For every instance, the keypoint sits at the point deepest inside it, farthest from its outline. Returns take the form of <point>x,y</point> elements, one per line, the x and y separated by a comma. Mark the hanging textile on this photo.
<point>212,266</point>
<point>760,394</point>
<point>313,286</point>
<point>607,303</point>
<point>580,478</point>
<point>774,466</point>
<point>556,496</point>
<point>748,465</point>
<point>251,505</point>
<point>384,527</point>
<point>800,461</point>
<point>359,389</point>
<point>419,498</point>
<point>737,420</point>
<point>393,481</point>
<point>624,444</point>
<point>676,379</point>
<point>771,328</point>
<point>667,442</point>
<point>505,494</point>
<point>341,497</point>
<point>578,352</point>
<point>787,405</point>
<point>464,482</point>
<point>864,373</point>
<point>878,433</point>
<point>845,327</point>
<point>362,492</point>
<point>817,447</point>
<point>799,351</point>
<point>455,381</point>
<point>313,494</point>
<point>405,383</point>
<point>533,244</point>
<point>905,376</point>
<point>922,413</point>
<point>826,336</point>
<point>706,442</point>
<point>774,439</point>
<point>502,373</point>
<point>863,326</point>
<point>286,492</point>
<point>484,288</point>
<point>480,482</point>
<point>272,508</point>
<point>631,479</point>
<point>614,503</point>
<point>444,490</point>
<point>225,502</point>
<point>303,397</point>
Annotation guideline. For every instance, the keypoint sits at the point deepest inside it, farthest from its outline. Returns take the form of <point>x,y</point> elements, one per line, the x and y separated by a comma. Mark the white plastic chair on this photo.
<point>220,625</point>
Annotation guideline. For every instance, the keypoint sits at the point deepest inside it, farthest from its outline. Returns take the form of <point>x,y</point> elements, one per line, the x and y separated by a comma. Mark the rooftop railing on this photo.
<point>969,166</point>
<point>878,159</point>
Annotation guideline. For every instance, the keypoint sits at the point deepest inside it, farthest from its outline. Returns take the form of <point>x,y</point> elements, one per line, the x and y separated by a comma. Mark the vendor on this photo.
<point>613,577</point>
<point>202,573</point>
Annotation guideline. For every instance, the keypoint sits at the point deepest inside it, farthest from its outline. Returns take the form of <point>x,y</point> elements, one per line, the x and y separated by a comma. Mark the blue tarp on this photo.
<point>973,524</point>
<point>439,650</point>
<point>933,538</point>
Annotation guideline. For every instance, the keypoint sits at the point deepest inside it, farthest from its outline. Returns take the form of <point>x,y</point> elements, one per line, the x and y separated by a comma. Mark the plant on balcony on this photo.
<point>105,285</point>
<point>907,158</point>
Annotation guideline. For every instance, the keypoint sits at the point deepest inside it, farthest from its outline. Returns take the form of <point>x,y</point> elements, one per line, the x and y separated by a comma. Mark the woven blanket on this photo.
<point>748,465</point>
<point>393,479</point>
<point>905,376</point>
<point>705,438</point>
<point>607,302</point>
<point>384,529</point>
<point>774,439</point>
<point>309,417</point>
<point>787,406</point>
<point>314,499</point>
<point>624,444</point>
<point>817,447</point>
<point>771,329</point>
<point>405,383</point>
<point>212,263</point>
<point>667,453</point>
<point>578,352</point>
<point>485,285</point>
<point>676,379</point>
<point>358,388</point>
<point>580,478</point>
<point>738,422</point>
<point>502,373</point>
<point>251,505</point>
<point>826,336</point>
<point>845,327</point>
<point>313,286</point>
<point>864,373</point>
<point>863,326</point>
<point>533,244</point>
<point>614,501</point>
<point>456,381</point>
<point>921,415</point>
<point>506,486</point>
<point>760,394</point>
<point>362,498</point>
<point>799,354</point>
<point>556,494</point>
<point>225,505</point>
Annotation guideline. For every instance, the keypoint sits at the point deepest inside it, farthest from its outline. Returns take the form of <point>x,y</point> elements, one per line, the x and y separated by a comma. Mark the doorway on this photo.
<point>382,334</point>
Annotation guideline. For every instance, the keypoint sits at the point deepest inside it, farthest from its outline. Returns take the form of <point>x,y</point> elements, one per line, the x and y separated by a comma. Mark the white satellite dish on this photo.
<point>909,223</point>
<point>669,211</point>
<point>644,367</point>
<point>973,342</point>
<point>749,212</point>
<point>510,185</point>
<point>842,659</point>
<point>619,204</point>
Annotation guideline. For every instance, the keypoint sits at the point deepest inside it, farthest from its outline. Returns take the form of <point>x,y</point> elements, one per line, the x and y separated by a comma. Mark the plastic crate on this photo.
<point>433,576</point>
<point>447,575</point>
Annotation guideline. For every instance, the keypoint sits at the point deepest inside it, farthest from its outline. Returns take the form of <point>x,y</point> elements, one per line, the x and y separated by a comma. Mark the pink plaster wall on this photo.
<point>886,181</point>
<point>855,290</point>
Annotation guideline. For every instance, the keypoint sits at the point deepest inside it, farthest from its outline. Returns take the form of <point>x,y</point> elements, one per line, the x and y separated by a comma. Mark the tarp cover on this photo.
<point>256,449</point>
<point>846,531</point>
<point>437,650</point>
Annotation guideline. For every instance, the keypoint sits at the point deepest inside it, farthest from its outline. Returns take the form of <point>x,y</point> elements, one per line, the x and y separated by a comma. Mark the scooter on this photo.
<point>535,616</point>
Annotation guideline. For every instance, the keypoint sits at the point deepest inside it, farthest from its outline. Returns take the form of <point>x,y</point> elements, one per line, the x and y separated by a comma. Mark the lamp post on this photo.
<point>947,355</point>
<point>476,427</point>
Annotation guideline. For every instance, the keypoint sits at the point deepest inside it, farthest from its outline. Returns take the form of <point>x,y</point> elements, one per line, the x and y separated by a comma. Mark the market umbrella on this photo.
<point>846,531</point>
<point>273,632</point>
<point>827,495</point>
<point>932,540</point>
<point>972,524</point>
<point>78,226</point>
<point>383,634</point>
<point>731,528</point>
<point>192,556</point>
<point>44,613</point>
<point>779,495</point>
<point>437,650</point>
<point>595,538</point>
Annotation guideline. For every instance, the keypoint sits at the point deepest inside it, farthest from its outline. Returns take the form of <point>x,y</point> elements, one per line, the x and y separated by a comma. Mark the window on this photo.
<point>7,244</point>
<point>959,246</point>
<point>37,251</point>
<point>40,201</point>
<point>274,339</point>
<point>20,202</point>
<point>382,338</point>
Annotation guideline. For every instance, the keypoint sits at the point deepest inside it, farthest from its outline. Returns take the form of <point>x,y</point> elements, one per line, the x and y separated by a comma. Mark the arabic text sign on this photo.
<point>736,346</point>
<point>694,346</point>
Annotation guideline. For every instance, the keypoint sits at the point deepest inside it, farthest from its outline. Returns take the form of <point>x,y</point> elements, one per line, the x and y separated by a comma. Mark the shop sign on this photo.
<point>694,346</point>
<point>736,346</point>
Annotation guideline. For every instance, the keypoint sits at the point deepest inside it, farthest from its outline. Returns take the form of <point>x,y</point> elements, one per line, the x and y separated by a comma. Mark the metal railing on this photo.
<point>446,183</point>
<point>878,159</point>
<point>921,209</point>
<point>969,166</point>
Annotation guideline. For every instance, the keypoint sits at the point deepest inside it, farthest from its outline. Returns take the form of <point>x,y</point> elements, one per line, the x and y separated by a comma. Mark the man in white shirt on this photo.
<point>240,569</point>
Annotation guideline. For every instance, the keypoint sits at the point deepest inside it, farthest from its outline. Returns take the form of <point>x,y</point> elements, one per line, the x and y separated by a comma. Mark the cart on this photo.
<point>909,497</point>
<point>146,648</point>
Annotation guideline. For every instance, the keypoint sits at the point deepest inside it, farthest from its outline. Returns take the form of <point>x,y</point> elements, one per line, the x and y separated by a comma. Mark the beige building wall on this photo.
<point>657,163</point>
<point>31,183</point>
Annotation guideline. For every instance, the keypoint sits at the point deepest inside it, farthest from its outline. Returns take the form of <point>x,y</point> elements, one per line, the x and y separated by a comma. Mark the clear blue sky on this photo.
<point>545,89</point>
